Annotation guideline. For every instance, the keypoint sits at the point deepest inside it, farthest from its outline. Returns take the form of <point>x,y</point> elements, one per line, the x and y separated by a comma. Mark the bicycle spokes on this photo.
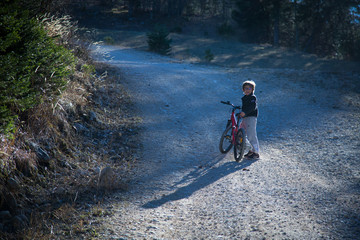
<point>230,135</point>
<point>226,140</point>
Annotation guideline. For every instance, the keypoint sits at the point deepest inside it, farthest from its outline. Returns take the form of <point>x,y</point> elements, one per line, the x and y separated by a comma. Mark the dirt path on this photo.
<point>306,185</point>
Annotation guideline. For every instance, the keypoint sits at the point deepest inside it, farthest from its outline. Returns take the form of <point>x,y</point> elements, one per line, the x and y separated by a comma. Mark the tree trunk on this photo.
<point>131,9</point>
<point>202,7</point>
<point>227,5</point>
<point>180,6</point>
<point>296,26</point>
<point>276,22</point>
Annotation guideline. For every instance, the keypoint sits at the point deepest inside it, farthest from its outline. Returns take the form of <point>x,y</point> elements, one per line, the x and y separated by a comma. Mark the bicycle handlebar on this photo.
<point>229,103</point>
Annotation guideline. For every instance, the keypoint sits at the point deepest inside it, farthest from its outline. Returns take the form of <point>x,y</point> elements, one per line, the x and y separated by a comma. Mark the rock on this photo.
<point>10,202</point>
<point>13,184</point>
<point>80,128</point>
<point>106,179</point>
<point>92,116</point>
<point>60,191</point>
<point>80,173</point>
<point>115,158</point>
<point>65,164</point>
<point>67,105</point>
<point>27,166</point>
<point>5,215</point>
<point>33,145</point>
<point>43,156</point>
<point>19,222</point>
<point>24,218</point>
<point>97,170</point>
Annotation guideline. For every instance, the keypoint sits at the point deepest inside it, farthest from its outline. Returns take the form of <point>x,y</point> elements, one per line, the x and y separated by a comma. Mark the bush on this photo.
<point>159,41</point>
<point>109,40</point>
<point>225,29</point>
<point>349,48</point>
<point>176,29</point>
<point>209,56</point>
<point>32,67</point>
<point>88,70</point>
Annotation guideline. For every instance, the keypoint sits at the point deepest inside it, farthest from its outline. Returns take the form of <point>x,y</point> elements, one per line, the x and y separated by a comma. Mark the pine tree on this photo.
<point>159,41</point>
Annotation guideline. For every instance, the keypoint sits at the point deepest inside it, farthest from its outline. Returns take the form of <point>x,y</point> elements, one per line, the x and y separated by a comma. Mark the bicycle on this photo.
<point>233,134</point>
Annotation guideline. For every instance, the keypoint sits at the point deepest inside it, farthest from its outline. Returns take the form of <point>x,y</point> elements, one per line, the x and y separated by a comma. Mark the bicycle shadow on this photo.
<point>199,179</point>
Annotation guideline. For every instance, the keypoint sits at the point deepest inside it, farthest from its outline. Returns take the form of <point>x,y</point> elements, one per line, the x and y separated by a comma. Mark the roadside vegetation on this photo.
<point>63,120</point>
<point>33,66</point>
<point>159,41</point>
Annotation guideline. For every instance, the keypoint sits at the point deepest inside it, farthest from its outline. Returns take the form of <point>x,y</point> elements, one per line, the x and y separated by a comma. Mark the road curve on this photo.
<point>305,186</point>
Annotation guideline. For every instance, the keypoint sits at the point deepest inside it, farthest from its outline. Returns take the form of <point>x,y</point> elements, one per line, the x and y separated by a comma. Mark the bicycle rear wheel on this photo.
<point>240,143</point>
<point>225,140</point>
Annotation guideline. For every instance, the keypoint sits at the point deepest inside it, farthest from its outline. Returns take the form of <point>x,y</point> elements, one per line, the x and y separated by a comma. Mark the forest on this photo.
<point>326,28</point>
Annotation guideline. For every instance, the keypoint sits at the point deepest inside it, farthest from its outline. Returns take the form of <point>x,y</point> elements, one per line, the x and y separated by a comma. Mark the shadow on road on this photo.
<point>199,178</point>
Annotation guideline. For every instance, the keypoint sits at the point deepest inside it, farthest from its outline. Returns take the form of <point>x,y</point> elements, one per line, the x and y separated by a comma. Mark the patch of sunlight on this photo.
<point>244,64</point>
<point>309,64</point>
<point>119,11</point>
<point>224,56</point>
<point>263,55</point>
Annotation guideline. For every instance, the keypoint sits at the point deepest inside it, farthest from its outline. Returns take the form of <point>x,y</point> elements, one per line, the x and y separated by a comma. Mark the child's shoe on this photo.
<point>254,156</point>
<point>248,154</point>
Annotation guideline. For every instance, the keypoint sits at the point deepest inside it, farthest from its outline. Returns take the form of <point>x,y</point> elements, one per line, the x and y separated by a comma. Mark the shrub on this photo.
<point>349,48</point>
<point>109,40</point>
<point>32,67</point>
<point>176,29</point>
<point>88,69</point>
<point>225,29</point>
<point>159,41</point>
<point>209,56</point>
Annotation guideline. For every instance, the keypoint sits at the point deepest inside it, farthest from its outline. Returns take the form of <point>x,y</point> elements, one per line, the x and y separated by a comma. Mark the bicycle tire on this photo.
<point>240,143</point>
<point>226,138</point>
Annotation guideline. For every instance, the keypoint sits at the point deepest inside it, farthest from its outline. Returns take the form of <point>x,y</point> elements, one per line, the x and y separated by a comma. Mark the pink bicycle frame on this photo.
<point>235,127</point>
<point>234,121</point>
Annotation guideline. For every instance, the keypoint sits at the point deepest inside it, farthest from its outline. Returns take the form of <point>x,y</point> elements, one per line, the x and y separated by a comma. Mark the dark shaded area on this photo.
<point>198,180</point>
<point>322,28</point>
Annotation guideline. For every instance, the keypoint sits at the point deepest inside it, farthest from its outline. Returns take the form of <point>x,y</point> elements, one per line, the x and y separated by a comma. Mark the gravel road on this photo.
<point>305,186</point>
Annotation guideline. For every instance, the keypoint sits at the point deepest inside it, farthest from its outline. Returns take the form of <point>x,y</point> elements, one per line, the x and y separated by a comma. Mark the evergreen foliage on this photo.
<point>159,41</point>
<point>254,18</point>
<point>327,28</point>
<point>209,56</point>
<point>32,67</point>
<point>225,29</point>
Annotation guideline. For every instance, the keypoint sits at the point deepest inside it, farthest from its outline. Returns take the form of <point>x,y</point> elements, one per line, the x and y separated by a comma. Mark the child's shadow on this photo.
<point>201,178</point>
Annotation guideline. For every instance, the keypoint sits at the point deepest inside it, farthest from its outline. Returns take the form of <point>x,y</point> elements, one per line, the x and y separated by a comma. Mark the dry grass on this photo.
<point>60,196</point>
<point>61,28</point>
<point>72,176</point>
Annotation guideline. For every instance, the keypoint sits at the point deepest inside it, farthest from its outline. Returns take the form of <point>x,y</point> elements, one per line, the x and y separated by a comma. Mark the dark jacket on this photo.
<point>249,105</point>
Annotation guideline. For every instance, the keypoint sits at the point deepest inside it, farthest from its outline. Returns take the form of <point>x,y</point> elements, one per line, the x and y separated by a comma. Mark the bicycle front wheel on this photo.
<point>240,142</point>
<point>225,140</point>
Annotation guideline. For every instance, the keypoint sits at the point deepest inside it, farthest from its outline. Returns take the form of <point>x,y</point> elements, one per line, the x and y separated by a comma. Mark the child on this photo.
<point>249,114</point>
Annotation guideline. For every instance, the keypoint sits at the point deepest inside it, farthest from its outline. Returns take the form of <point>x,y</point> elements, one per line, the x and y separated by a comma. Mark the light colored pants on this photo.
<point>249,124</point>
